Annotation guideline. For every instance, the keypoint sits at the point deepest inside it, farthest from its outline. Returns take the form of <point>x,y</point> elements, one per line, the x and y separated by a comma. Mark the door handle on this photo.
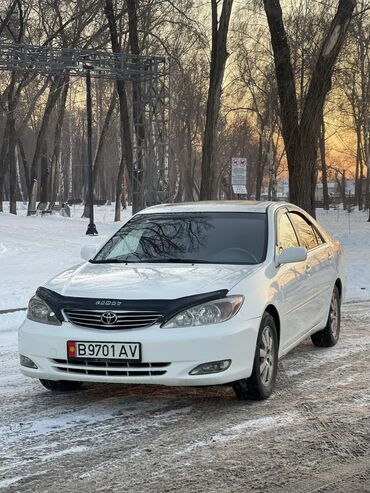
<point>308,268</point>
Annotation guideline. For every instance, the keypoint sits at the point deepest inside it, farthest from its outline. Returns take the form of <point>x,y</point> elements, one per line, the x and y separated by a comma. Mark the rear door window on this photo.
<point>306,233</point>
<point>286,234</point>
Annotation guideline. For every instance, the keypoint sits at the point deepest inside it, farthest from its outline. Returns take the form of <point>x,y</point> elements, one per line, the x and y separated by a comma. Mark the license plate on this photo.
<point>123,351</point>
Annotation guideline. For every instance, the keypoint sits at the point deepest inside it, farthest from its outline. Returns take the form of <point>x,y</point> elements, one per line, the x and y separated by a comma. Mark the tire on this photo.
<point>60,385</point>
<point>260,384</point>
<point>329,335</point>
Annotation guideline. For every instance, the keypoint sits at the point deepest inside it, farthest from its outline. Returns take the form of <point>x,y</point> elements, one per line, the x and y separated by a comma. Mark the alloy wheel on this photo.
<point>267,356</point>
<point>333,315</point>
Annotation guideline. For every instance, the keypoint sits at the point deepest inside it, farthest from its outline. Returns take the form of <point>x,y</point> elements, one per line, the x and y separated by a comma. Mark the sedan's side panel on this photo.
<point>321,279</point>
<point>282,288</point>
<point>286,288</point>
<point>291,283</point>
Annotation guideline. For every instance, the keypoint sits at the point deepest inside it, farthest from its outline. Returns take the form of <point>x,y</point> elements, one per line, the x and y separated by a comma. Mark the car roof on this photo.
<point>213,206</point>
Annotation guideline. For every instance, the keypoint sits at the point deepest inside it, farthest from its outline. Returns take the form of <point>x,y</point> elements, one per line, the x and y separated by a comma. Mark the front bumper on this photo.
<point>179,350</point>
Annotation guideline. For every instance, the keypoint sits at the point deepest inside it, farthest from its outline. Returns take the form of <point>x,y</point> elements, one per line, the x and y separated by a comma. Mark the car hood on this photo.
<point>147,281</point>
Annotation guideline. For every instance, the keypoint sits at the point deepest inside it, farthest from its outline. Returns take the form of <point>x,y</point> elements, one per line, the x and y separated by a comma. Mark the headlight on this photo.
<point>39,311</point>
<point>212,312</point>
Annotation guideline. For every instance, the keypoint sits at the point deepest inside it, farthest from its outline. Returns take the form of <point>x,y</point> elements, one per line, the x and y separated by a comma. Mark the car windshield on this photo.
<point>202,237</point>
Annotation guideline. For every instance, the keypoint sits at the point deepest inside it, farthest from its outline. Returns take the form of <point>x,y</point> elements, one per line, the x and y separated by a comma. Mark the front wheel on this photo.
<point>61,385</point>
<point>329,335</point>
<point>260,384</point>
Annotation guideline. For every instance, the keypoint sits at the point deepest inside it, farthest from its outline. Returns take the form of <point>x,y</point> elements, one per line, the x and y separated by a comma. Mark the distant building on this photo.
<point>282,190</point>
<point>350,187</point>
<point>332,190</point>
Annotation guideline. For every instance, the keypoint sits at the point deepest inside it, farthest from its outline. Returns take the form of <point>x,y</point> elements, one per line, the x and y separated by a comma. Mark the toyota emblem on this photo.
<point>108,318</point>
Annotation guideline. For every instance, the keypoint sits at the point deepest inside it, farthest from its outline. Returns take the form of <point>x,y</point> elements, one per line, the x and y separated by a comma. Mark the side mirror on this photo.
<point>291,255</point>
<point>88,251</point>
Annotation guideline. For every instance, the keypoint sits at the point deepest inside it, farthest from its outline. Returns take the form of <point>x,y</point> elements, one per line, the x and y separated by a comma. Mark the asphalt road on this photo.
<point>313,435</point>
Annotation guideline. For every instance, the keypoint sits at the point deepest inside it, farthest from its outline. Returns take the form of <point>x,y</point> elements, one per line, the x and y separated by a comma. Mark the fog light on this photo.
<point>212,367</point>
<point>27,362</point>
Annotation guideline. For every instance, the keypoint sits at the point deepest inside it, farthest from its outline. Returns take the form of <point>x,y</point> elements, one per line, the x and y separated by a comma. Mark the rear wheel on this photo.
<point>60,385</point>
<point>329,336</point>
<point>260,384</point>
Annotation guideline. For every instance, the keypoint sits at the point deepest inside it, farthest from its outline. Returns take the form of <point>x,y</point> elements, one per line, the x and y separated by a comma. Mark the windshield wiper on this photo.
<point>151,261</point>
<point>112,261</point>
<point>175,261</point>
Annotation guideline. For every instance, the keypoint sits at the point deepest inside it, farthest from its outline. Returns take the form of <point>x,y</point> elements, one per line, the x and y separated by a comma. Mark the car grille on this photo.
<point>110,368</point>
<point>121,319</point>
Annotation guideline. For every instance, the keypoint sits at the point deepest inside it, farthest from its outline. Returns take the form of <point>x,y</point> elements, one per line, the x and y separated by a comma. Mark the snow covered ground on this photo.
<point>353,231</point>
<point>312,435</point>
<point>33,249</point>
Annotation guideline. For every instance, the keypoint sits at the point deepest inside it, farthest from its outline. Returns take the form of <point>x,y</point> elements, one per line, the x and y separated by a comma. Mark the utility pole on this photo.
<point>91,229</point>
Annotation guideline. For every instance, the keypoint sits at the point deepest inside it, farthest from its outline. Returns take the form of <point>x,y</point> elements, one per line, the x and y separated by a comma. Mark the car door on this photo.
<point>319,271</point>
<point>290,279</point>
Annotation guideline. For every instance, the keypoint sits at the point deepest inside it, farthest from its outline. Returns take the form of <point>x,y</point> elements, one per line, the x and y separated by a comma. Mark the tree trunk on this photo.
<point>119,190</point>
<point>363,64</point>
<point>187,166</point>
<point>18,174</point>
<point>54,92</point>
<point>358,177</point>
<point>324,171</point>
<point>271,157</point>
<point>3,162</point>
<point>360,196</point>
<point>70,153</point>
<point>99,152</point>
<point>218,61</point>
<point>54,168</point>
<point>301,137</point>
<point>44,179</point>
<point>367,197</point>
<point>11,146</point>
<point>259,171</point>
<point>139,177</point>
<point>127,153</point>
<point>25,165</point>
<point>344,196</point>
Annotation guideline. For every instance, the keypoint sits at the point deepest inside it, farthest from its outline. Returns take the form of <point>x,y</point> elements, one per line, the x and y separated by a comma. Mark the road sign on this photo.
<point>239,175</point>
<point>239,189</point>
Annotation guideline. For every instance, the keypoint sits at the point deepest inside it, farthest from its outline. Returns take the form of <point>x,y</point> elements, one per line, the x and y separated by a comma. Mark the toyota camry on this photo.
<point>205,293</point>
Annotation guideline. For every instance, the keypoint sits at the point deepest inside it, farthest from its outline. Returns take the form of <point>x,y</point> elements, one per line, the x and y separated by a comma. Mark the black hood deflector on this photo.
<point>168,308</point>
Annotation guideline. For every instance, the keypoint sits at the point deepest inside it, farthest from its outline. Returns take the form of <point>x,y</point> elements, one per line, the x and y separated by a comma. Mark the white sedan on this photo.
<point>203,293</point>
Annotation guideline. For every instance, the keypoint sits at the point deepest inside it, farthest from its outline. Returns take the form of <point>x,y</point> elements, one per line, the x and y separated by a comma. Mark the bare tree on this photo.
<point>127,153</point>
<point>324,172</point>
<point>301,133</point>
<point>39,162</point>
<point>138,196</point>
<point>220,28</point>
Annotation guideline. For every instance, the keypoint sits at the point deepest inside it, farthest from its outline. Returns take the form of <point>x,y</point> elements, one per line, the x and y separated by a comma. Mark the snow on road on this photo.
<point>314,431</point>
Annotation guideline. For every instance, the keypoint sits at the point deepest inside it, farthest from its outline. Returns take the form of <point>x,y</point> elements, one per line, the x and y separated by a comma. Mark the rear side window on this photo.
<point>319,238</point>
<point>307,235</point>
<point>286,234</point>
